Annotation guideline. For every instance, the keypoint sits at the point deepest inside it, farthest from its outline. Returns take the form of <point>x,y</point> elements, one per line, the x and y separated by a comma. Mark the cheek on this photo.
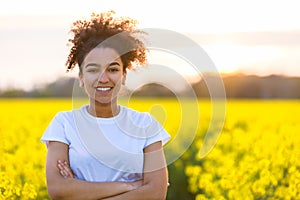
<point>118,79</point>
<point>90,78</point>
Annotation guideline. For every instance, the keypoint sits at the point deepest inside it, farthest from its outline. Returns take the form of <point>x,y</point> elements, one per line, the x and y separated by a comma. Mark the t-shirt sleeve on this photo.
<point>156,133</point>
<point>55,131</point>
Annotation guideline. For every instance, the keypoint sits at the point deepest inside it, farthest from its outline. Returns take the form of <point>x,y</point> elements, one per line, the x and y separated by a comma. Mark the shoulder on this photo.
<point>137,117</point>
<point>66,115</point>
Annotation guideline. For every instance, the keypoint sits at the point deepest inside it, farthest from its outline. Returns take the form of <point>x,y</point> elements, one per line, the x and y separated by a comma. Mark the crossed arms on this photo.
<point>62,185</point>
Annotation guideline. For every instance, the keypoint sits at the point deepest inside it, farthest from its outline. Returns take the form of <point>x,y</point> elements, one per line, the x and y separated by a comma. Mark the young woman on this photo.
<point>104,150</point>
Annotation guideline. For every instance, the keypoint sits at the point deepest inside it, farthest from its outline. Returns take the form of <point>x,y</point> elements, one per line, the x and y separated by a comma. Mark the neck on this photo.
<point>103,110</point>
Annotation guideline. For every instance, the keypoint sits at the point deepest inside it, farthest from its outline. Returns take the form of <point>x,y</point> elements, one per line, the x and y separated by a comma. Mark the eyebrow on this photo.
<point>96,65</point>
<point>92,65</point>
<point>114,63</point>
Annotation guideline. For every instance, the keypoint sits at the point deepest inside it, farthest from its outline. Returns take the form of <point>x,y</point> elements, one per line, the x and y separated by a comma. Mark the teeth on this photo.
<point>103,89</point>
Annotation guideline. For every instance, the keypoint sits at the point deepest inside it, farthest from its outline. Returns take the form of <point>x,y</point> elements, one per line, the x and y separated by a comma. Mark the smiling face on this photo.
<point>102,75</point>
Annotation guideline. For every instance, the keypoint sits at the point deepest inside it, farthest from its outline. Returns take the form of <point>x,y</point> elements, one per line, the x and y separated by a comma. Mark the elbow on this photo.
<point>159,196</point>
<point>55,192</point>
<point>158,193</point>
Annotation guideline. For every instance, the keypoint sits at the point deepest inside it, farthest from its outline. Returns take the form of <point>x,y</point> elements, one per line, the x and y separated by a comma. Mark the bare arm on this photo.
<point>70,188</point>
<point>155,182</point>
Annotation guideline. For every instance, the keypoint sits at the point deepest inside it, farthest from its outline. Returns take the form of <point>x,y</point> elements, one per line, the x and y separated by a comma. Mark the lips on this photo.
<point>103,89</point>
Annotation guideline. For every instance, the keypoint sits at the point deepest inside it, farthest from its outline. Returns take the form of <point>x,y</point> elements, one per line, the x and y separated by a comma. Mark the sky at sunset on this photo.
<point>252,37</point>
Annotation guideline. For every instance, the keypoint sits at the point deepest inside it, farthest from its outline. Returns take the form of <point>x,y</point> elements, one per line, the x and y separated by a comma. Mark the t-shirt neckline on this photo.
<point>102,119</point>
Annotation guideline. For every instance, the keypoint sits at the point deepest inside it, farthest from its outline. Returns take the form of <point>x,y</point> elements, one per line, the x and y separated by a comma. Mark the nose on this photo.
<point>103,78</point>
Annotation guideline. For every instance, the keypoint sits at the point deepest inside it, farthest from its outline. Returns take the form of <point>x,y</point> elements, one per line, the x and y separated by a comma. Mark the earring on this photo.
<point>81,84</point>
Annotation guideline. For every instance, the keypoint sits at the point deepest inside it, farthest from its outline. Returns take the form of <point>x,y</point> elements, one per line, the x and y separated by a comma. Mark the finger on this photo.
<point>68,171</point>
<point>60,164</point>
<point>65,168</point>
<point>68,168</point>
<point>60,167</point>
<point>63,173</point>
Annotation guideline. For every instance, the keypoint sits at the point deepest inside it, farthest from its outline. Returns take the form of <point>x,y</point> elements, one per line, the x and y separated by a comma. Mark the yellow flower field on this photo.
<point>256,156</point>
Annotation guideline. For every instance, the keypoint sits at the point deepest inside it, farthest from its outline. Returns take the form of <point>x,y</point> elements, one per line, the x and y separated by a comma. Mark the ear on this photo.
<point>124,79</point>
<point>81,83</point>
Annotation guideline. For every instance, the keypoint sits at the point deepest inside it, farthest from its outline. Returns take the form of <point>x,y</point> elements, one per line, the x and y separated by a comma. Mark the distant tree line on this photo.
<point>256,87</point>
<point>237,86</point>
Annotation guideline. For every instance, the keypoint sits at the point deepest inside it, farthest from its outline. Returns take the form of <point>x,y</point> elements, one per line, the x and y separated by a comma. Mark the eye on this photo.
<point>113,69</point>
<point>92,70</point>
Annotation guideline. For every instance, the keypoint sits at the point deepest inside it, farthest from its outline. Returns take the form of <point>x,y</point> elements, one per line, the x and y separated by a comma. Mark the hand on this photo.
<point>136,184</point>
<point>65,169</point>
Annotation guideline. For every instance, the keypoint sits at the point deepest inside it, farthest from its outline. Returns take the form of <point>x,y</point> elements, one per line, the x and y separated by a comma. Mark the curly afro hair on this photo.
<point>107,30</point>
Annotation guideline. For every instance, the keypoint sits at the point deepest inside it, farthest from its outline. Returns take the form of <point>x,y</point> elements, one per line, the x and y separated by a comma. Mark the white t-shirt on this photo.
<point>106,149</point>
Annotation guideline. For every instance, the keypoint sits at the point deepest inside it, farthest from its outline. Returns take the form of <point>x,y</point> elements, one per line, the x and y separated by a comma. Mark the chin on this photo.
<point>104,100</point>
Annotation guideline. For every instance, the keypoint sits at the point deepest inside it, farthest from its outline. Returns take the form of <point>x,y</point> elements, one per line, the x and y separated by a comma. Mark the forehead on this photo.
<point>102,55</point>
